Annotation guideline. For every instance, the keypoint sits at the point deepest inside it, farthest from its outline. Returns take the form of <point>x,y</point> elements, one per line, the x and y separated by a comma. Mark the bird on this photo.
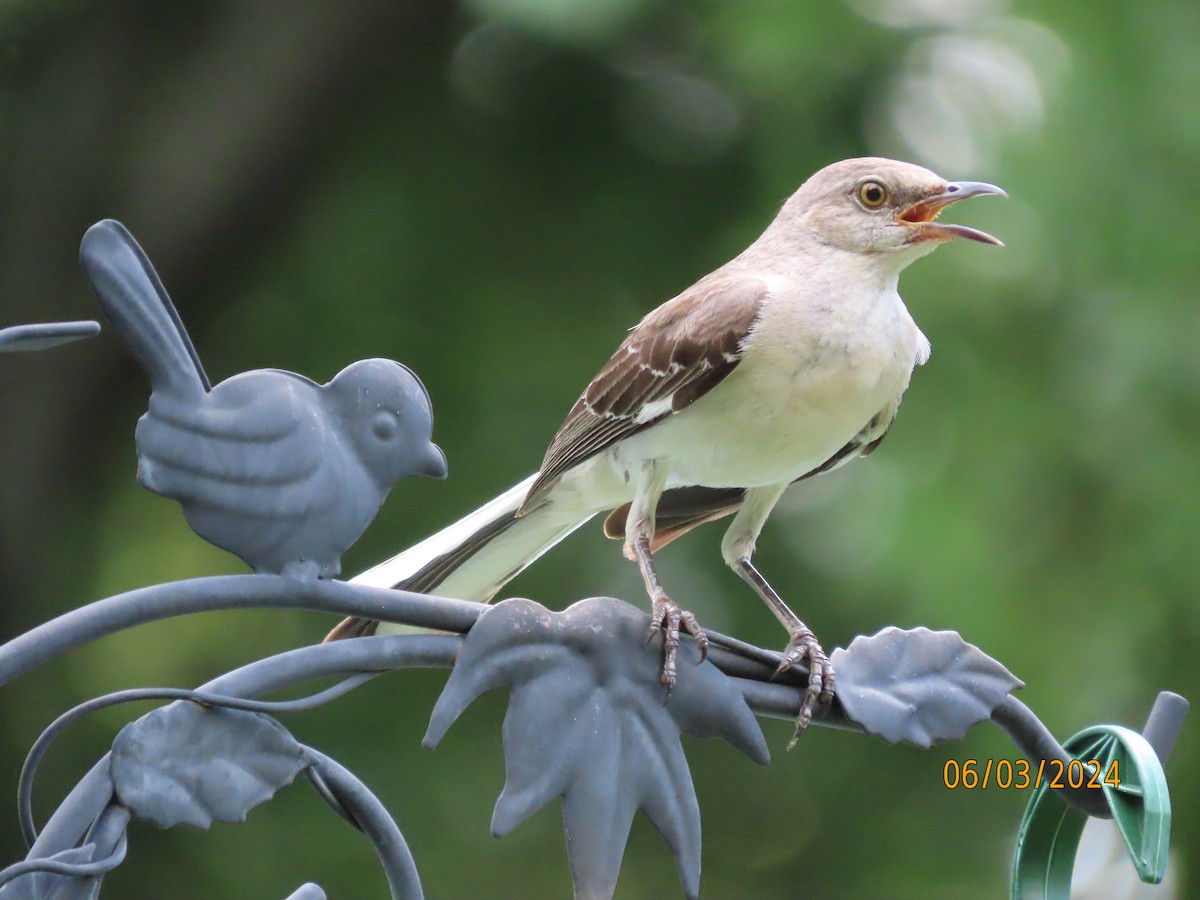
<point>282,471</point>
<point>787,362</point>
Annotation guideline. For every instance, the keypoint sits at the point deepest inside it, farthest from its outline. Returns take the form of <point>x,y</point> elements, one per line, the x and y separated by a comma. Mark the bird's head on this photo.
<point>882,206</point>
<point>389,419</point>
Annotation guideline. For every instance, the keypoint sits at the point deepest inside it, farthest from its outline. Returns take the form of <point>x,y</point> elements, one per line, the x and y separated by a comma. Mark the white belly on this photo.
<point>797,397</point>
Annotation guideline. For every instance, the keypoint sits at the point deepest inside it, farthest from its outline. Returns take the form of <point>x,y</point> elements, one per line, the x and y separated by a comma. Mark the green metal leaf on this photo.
<point>1140,804</point>
<point>1135,788</point>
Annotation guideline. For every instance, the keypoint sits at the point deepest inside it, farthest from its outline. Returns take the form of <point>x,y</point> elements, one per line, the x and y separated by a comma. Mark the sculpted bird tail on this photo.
<point>473,558</point>
<point>137,305</point>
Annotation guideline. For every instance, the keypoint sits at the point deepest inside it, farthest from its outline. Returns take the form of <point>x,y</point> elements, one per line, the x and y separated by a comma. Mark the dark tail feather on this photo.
<point>679,511</point>
<point>352,627</point>
<point>428,577</point>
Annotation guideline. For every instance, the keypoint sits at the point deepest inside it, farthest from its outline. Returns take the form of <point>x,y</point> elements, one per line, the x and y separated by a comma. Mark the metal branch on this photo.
<point>370,654</point>
<point>77,813</point>
<point>1164,723</point>
<point>374,821</point>
<point>362,658</point>
<point>1020,722</point>
<point>57,867</point>
<point>150,604</point>
<point>42,744</point>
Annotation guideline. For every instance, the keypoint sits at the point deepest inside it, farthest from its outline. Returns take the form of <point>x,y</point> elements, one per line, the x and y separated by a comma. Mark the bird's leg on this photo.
<point>639,532</point>
<point>737,548</point>
<point>802,645</point>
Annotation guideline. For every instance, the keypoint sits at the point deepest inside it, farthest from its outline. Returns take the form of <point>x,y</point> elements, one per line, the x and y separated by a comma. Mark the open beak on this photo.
<point>921,215</point>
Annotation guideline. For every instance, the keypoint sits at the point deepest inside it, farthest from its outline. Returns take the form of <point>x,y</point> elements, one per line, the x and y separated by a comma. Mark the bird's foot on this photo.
<point>803,646</point>
<point>665,614</point>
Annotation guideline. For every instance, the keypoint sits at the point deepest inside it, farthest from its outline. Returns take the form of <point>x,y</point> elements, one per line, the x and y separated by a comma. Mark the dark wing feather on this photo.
<point>674,356</point>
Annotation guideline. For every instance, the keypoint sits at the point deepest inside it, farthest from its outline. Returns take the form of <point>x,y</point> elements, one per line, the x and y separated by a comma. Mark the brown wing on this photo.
<point>674,356</point>
<point>684,508</point>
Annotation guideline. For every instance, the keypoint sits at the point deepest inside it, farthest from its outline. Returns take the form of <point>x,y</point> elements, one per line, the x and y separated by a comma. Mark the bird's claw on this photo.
<point>666,615</point>
<point>803,646</point>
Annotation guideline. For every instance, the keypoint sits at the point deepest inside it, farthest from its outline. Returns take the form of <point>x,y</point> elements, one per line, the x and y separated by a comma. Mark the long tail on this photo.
<point>136,303</point>
<point>473,558</point>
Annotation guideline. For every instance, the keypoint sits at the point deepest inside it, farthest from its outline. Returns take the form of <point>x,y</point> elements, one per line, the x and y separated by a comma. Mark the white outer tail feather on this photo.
<point>502,558</point>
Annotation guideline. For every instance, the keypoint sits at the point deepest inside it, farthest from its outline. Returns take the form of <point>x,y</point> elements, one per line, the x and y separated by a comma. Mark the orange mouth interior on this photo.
<point>924,211</point>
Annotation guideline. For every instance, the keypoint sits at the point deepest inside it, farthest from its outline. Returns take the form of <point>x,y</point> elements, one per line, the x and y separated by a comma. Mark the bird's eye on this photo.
<point>872,194</point>
<point>384,426</point>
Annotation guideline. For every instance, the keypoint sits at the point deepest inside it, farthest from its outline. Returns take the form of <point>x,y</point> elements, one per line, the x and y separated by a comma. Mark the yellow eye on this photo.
<point>872,194</point>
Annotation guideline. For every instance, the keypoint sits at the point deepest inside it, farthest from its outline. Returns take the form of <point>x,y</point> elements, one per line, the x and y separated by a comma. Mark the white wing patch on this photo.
<point>654,409</point>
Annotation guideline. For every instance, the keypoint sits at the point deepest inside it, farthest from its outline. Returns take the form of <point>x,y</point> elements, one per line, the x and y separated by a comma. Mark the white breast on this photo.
<point>817,368</point>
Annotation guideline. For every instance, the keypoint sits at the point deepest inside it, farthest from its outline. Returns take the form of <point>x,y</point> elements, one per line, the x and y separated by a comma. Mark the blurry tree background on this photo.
<point>492,192</point>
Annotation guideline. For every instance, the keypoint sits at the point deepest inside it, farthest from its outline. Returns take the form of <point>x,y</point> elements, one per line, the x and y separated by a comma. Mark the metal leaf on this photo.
<point>919,686</point>
<point>42,336</point>
<point>587,721</point>
<point>188,764</point>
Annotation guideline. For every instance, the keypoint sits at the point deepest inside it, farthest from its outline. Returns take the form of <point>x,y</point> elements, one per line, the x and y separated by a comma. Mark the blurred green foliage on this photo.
<point>491,193</point>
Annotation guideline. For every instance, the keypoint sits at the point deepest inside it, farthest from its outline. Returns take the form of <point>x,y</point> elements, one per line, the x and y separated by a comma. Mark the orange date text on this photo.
<point>1019,774</point>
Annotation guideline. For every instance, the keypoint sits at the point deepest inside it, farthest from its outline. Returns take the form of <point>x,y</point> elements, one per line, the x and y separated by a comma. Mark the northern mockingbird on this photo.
<point>786,362</point>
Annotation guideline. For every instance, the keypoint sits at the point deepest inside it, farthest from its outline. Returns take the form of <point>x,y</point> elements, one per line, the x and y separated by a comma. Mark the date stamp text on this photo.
<point>1019,774</point>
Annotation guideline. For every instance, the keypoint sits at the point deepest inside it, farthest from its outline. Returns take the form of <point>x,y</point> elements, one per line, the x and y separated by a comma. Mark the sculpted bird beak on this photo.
<point>433,463</point>
<point>921,215</point>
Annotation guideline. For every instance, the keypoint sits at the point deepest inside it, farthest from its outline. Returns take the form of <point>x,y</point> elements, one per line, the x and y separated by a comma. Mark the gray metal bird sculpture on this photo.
<point>269,465</point>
